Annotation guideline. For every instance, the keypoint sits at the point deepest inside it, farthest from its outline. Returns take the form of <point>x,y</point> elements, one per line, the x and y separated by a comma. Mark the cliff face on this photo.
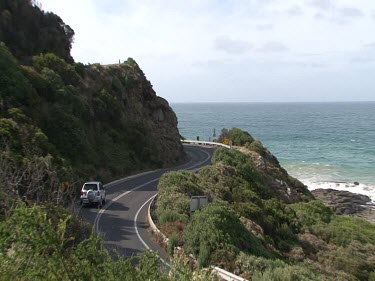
<point>136,105</point>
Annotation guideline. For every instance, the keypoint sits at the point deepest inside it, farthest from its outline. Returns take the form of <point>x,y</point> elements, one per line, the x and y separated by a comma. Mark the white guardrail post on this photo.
<point>209,143</point>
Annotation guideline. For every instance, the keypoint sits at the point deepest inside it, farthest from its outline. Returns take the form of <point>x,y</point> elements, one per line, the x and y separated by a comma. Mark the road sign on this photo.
<point>197,202</point>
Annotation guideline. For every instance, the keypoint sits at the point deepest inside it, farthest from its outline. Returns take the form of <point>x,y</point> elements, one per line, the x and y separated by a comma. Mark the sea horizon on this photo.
<point>268,102</point>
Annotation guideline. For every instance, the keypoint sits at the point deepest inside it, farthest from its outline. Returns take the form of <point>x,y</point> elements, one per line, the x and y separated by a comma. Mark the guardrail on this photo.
<point>223,274</point>
<point>210,143</point>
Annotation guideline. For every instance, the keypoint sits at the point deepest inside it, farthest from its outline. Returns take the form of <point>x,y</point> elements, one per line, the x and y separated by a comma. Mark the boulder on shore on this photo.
<point>347,203</point>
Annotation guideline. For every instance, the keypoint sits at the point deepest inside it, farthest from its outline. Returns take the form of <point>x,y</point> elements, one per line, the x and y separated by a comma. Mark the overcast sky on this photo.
<point>233,50</point>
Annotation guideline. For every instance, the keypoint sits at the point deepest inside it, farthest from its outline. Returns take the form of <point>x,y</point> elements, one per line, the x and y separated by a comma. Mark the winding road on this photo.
<point>123,220</point>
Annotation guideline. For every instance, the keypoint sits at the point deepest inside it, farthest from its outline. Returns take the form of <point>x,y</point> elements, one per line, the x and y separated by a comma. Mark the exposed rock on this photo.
<point>313,244</point>
<point>140,106</point>
<point>296,254</point>
<point>288,188</point>
<point>342,201</point>
<point>255,228</point>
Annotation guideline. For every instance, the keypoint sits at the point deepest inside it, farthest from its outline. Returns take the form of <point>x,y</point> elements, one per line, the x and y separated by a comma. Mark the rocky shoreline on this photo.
<point>347,203</point>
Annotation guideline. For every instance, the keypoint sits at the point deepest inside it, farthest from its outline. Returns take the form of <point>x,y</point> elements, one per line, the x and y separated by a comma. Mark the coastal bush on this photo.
<point>172,243</point>
<point>175,190</point>
<point>171,216</point>
<point>288,273</point>
<point>245,169</point>
<point>338,229</point>
<point>355,258</point>
<point>312,213</point>
<point>237,136</point>
<point>251,264</point>
<point>216,225</point>
<point>46,243</point>
<point>15,89</point>
<point>342,230</point>
<point>51,61</point>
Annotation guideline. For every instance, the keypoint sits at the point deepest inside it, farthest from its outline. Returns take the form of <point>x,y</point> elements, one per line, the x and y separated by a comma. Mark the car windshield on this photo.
<point>89,186</point>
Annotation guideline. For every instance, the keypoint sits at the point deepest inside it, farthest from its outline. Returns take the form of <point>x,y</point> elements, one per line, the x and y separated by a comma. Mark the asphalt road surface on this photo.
<point>123,219</point>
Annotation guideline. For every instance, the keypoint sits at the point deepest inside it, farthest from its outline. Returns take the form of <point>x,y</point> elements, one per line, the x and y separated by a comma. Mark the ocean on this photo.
<point>325,145</point>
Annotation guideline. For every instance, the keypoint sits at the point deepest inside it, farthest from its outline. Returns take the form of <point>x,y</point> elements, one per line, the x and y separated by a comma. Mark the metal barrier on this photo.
<point>225,275</point>
<point>209,143</point>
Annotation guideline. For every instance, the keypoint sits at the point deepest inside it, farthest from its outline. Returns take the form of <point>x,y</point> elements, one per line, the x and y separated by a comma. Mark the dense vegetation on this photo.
<point>47,243</point>
<point>255,227</point>
<point>28,31</point>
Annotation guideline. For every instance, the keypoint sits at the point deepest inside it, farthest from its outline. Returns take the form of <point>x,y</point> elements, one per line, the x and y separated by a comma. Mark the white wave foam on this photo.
<point>364,189</point>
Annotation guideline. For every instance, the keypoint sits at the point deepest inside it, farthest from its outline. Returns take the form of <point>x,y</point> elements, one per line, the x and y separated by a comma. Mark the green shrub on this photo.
<point>288,273</point>
<point>338,229</point>
<point>244,168</point>
<point>172,243</point>
<point>80,69</point>
<point>175,190</point>
<point>41,243</point>
<point>176,202</point>
<point>355,258</point>
<point>214,225</point>
<point>51,61</point>
<point>171,216</point>
<point>237,136</point>
<point>15,89</point>
<point>342,230</point>
<point>312,213</point>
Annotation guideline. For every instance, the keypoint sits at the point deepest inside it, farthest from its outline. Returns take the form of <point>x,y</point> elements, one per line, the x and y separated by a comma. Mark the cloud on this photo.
<point>294,11</point>
<point>339,15</point>
<point>369,45</point>
<point>321,4</point>
<point>366,55</point>
<point>262,27</point>
<point>349,12</point>
<point>231,46</point>
<point>273,47</point>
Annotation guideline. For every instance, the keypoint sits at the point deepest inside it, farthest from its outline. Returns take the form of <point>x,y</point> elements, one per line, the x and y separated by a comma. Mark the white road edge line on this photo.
<point>100,213</point>
<point>137,232</point>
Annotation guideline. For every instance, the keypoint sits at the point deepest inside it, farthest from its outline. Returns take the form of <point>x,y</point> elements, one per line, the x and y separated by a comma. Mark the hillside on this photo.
<point>260,222</point>
<point>61,122</point>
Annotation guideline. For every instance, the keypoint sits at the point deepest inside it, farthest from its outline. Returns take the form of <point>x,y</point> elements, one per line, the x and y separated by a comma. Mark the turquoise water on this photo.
<point>322,144</point>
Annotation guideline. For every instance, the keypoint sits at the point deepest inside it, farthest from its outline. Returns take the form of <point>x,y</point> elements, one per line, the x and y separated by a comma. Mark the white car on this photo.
<point>93,192</point>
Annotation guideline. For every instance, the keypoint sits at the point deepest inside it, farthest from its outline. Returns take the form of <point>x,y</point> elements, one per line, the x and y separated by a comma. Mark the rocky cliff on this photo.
<point>137,104</point>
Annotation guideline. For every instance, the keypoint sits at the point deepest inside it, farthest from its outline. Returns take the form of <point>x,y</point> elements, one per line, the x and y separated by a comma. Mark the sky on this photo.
<point>233,50</point>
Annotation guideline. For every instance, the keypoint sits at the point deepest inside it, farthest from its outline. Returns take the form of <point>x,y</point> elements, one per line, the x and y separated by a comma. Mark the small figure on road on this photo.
<point>230,143</point>
<point>197,138</point>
